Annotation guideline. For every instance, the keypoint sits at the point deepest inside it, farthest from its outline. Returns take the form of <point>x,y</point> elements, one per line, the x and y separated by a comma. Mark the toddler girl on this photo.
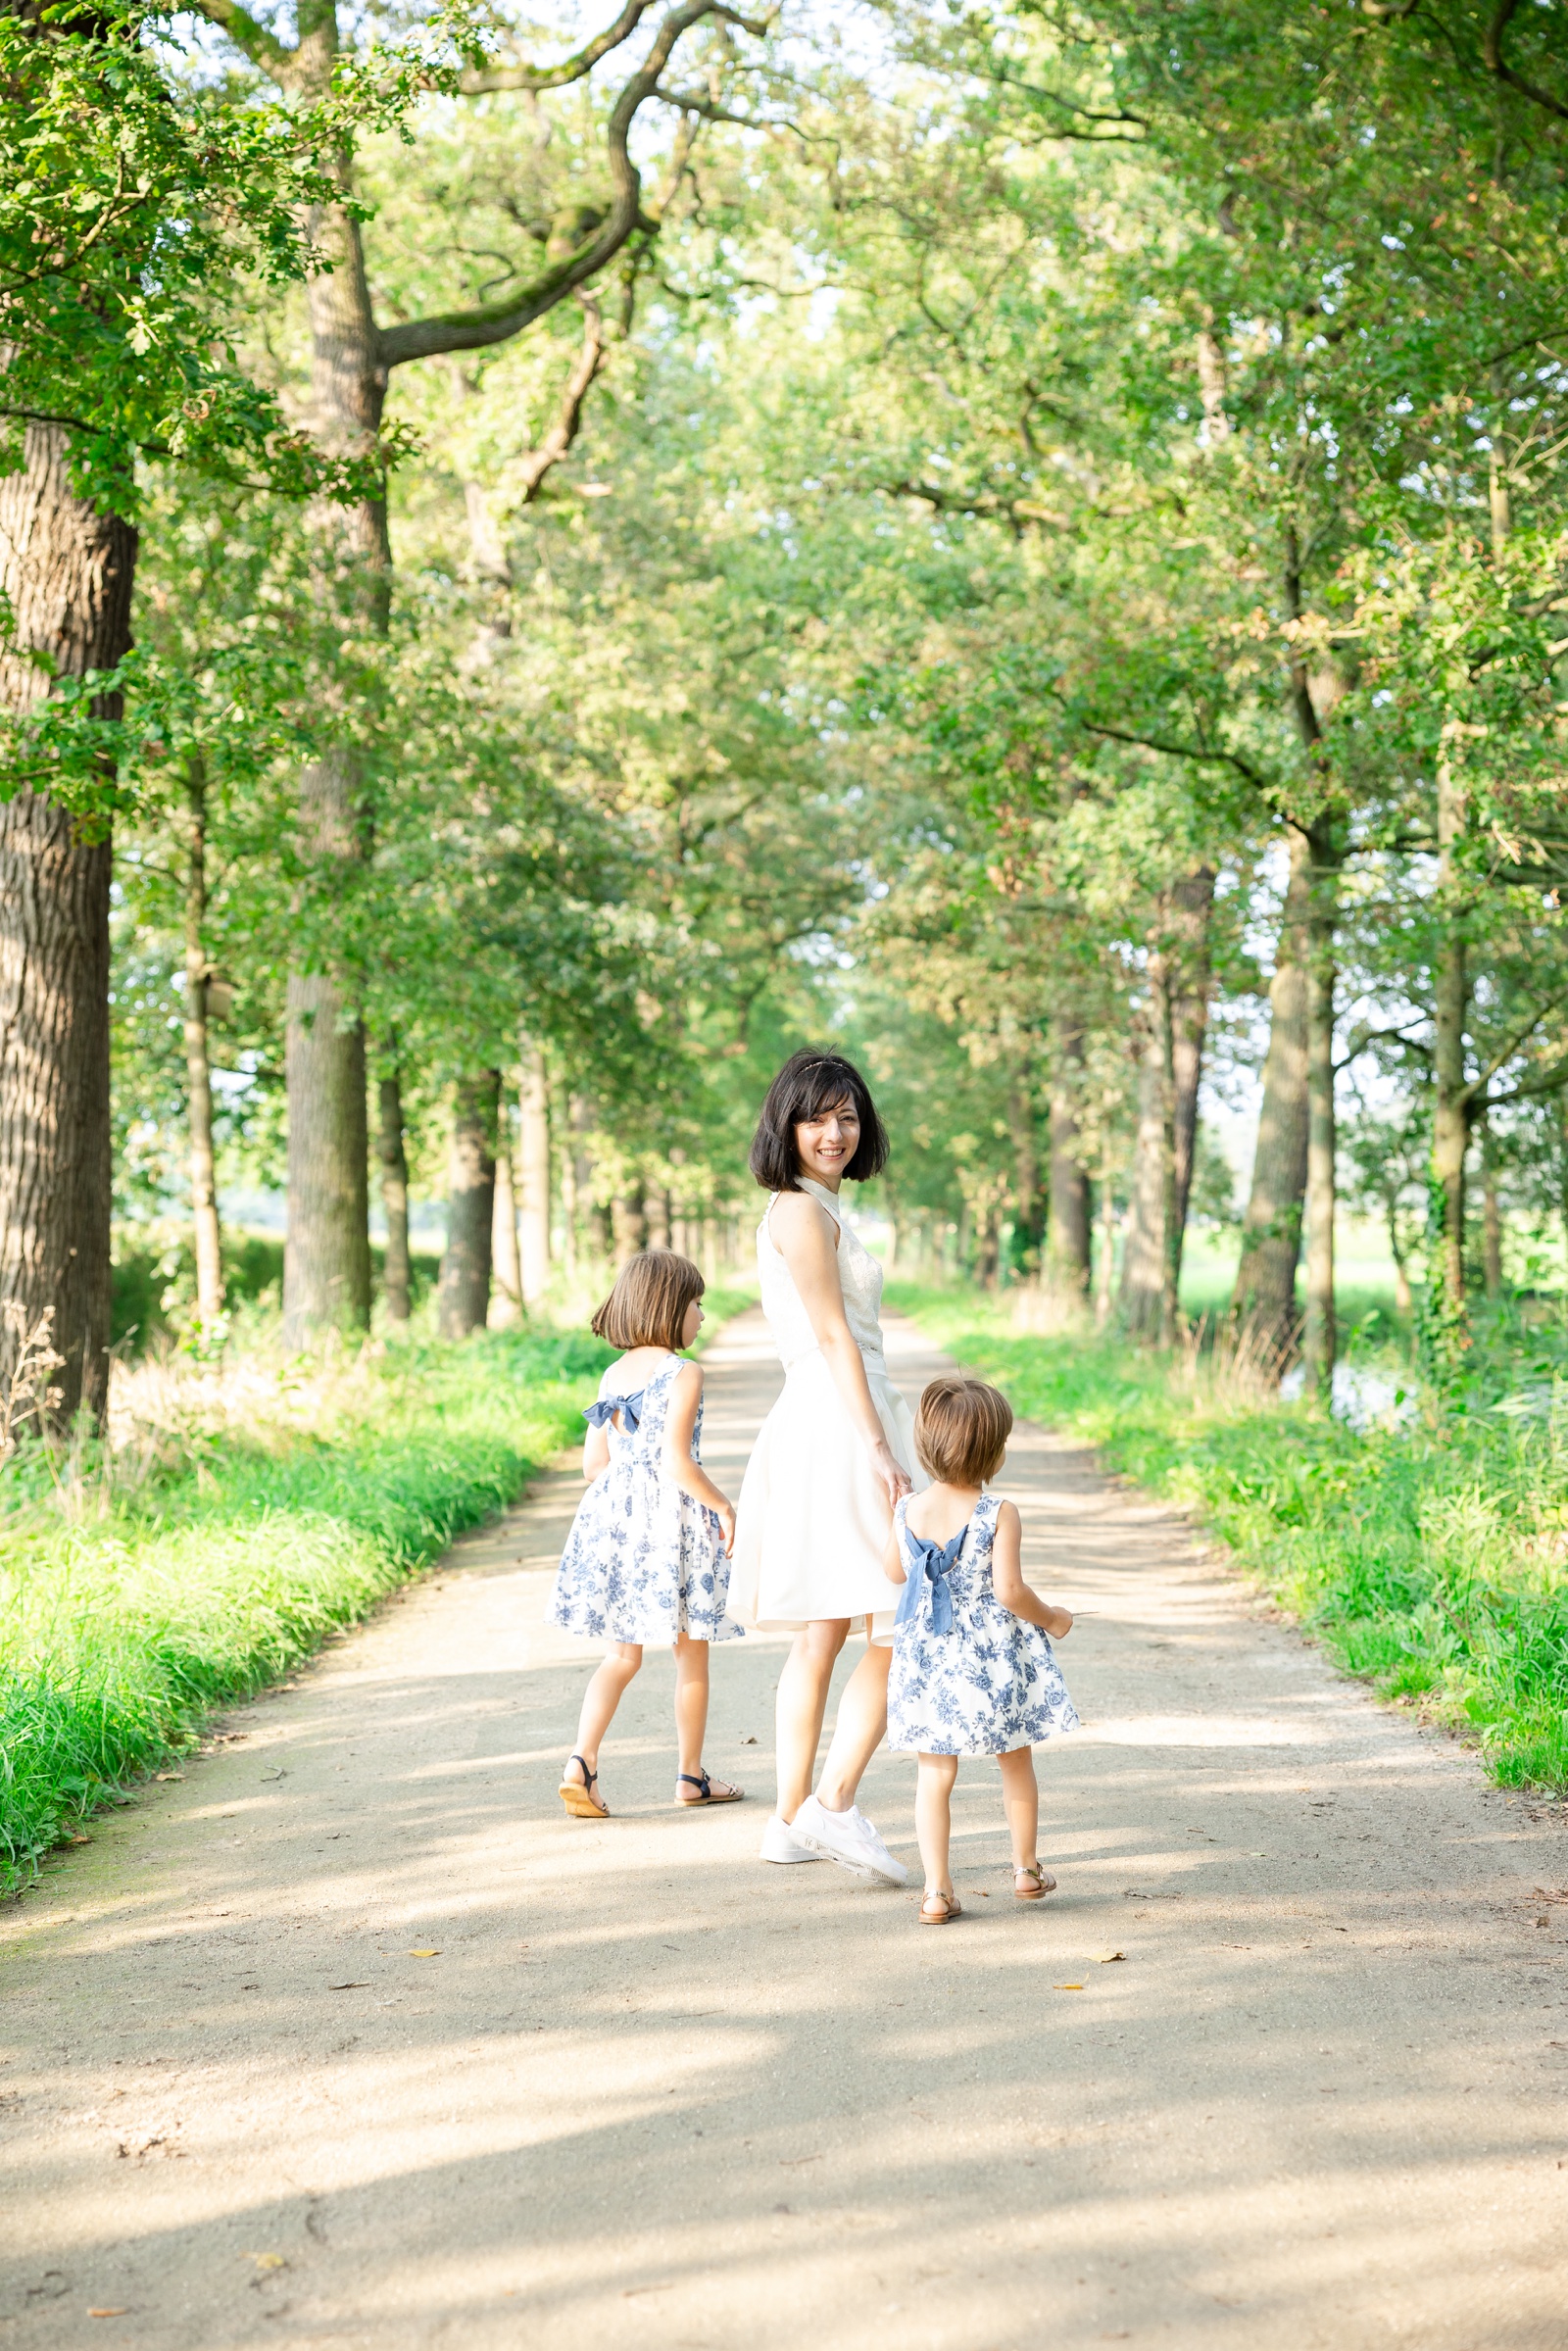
<point>973,1670</point>
<point>648,1555</point>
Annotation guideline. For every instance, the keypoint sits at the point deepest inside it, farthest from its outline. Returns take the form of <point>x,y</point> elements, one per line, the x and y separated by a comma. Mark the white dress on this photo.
<point>645,1560</point>
<point>812,1519</point>
<point>968,1677</point>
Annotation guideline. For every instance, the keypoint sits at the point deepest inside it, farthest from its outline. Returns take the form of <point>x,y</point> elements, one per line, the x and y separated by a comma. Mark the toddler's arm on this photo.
<point>1006,1579</point>
<point>891,1559</point>
<point>689,1475</point>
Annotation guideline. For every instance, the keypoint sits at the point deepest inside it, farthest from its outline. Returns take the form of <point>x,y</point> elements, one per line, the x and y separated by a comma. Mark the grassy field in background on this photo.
<point>1430,1558</point>
<point>251,1512</point>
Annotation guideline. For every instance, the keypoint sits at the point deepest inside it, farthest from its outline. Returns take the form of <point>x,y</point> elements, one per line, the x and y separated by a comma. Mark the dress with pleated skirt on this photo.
<point>812,1519</point>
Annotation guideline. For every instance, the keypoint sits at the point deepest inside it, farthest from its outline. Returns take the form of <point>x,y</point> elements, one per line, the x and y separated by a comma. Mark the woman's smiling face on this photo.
<point>825,1144</point>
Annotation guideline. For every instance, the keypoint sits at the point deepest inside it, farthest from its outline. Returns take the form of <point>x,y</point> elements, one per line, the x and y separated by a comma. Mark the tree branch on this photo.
<point>498,322</point>
<point>1500,1059</point>
<point>247,33</point>
<point>1491,51</point>
<point>568,414</point>
<point>476,81</point>
<point>1180,751</point>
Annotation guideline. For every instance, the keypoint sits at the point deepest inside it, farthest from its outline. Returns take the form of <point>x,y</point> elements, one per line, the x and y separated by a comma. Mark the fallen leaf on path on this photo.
<point>1066,1987</point>
<point>748,1743</point>
<point>273,1776</point>
<point>424,1954</point>
<point>355,1984</point>
<point>1104,1958</point>
<point>119,2312</point>
<point>268,2261</point>
<point>164,1776</point>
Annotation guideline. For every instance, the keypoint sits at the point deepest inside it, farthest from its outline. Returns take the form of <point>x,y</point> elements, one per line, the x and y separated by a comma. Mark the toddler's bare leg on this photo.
<point>933,1818</point>
<point>802,1703</point>
<point>1020,1794</point>
<point>691,1700</point>
<point>603,1695</point>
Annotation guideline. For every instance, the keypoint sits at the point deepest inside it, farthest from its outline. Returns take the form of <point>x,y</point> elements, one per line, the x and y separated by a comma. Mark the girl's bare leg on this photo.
<point>1020,1794</point>
<point>691,1701</point>
<point>860,1730</point>
<point>933,1818</point>
<point>803,1690</point>
<point>603,1695</point>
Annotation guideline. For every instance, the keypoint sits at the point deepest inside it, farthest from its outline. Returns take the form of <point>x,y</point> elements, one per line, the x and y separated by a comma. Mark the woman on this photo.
<point>831,1460</point>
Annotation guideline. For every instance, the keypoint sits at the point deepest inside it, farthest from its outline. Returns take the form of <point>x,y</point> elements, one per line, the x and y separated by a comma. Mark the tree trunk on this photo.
<point>464,1297</point>
<point>65,574</point>
<point>1490,1218</point>
<point>1167,1116</point>
<point>533,1170</point>
<point>392,1153</point>
<point>1320,1343</point>
<point>1028,1221</point>
<point>1450,1106</point>
<point>1263,1301</point>
<point>628,1225</point>
<point>1191,907</point>
<point>659,1218</point>
<point>198,1065</point>
<point>505,1297</point>
<point>1107,1248</point>
<point>1067,1247</point>
<point>1142,1263</point>
<point>327,1283</point>
<point>326,1257</point>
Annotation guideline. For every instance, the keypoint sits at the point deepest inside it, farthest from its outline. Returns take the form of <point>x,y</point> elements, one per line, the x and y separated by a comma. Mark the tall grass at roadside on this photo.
<point>241,1518</point>
<point>1430,1557</point>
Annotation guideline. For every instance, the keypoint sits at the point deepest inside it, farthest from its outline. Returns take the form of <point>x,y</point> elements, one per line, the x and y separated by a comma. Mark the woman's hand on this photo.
<point>896,1478</point>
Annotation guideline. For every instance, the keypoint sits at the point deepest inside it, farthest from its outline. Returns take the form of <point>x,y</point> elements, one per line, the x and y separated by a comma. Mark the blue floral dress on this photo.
<point>643,1561</point>
<point>968,1677</point>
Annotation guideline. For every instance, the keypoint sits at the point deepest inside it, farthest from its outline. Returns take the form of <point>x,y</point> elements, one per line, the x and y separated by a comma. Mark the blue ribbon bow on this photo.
<point>628,1406</point>
<point>934,1561</point>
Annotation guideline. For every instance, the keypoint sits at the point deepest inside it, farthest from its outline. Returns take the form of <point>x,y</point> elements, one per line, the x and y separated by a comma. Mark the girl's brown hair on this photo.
<point>962,1431</point>
<point>648,1305</point>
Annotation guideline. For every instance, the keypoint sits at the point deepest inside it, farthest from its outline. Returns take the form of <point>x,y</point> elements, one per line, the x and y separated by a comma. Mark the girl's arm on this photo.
<point>803,1233</point>
<point>685,1394</point>
<point>595,1453</point>
<point>1006,1579</point>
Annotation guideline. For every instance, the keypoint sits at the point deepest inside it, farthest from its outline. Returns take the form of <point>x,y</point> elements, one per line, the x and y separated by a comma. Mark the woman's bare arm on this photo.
<point>804,1236</point>
<point>1006,1579</point>
<point>686,1393</point>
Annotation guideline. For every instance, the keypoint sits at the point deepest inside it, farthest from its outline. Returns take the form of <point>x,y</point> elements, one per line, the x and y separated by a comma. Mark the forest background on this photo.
<point>1030,543</point>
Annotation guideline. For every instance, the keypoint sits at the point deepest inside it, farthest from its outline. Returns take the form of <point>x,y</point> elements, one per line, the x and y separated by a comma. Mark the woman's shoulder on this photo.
<point>797,1216</point>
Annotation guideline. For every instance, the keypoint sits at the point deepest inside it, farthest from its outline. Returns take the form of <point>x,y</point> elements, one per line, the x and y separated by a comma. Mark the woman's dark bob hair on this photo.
<point>806,1086</point>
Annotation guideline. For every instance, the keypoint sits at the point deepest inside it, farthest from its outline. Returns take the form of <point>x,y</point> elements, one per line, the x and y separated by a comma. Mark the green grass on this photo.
<point>132,1604</point>
<point>1430,1559</point>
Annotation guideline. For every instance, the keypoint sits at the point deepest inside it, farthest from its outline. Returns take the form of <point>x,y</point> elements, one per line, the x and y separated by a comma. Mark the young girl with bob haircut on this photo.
<point>830,1461</point>
<point>973,1669</point>
<point>648,1555</point>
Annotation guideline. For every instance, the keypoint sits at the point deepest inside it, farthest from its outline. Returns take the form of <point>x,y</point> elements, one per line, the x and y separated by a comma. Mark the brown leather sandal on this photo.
<point>708,1792</point>
<point>578,1794</point>
<point>1036,1882</point>
<point>932,1916</point>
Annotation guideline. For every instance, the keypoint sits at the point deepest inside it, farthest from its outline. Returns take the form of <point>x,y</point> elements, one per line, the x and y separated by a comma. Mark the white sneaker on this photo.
<point>780,1842</point>
<point>848,1839</point>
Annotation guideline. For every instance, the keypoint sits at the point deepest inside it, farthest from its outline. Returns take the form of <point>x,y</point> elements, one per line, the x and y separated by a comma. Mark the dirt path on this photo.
<point>647,2092</point>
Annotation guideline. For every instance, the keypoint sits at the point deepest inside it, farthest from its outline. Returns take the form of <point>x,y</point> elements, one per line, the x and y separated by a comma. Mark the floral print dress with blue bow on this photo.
<point>968,1677</point>
<point>643,1561</point>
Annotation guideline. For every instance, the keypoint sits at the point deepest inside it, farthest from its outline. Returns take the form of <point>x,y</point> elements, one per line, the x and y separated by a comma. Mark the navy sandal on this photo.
<point>579,1795</point>
<point>706,1791</point>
